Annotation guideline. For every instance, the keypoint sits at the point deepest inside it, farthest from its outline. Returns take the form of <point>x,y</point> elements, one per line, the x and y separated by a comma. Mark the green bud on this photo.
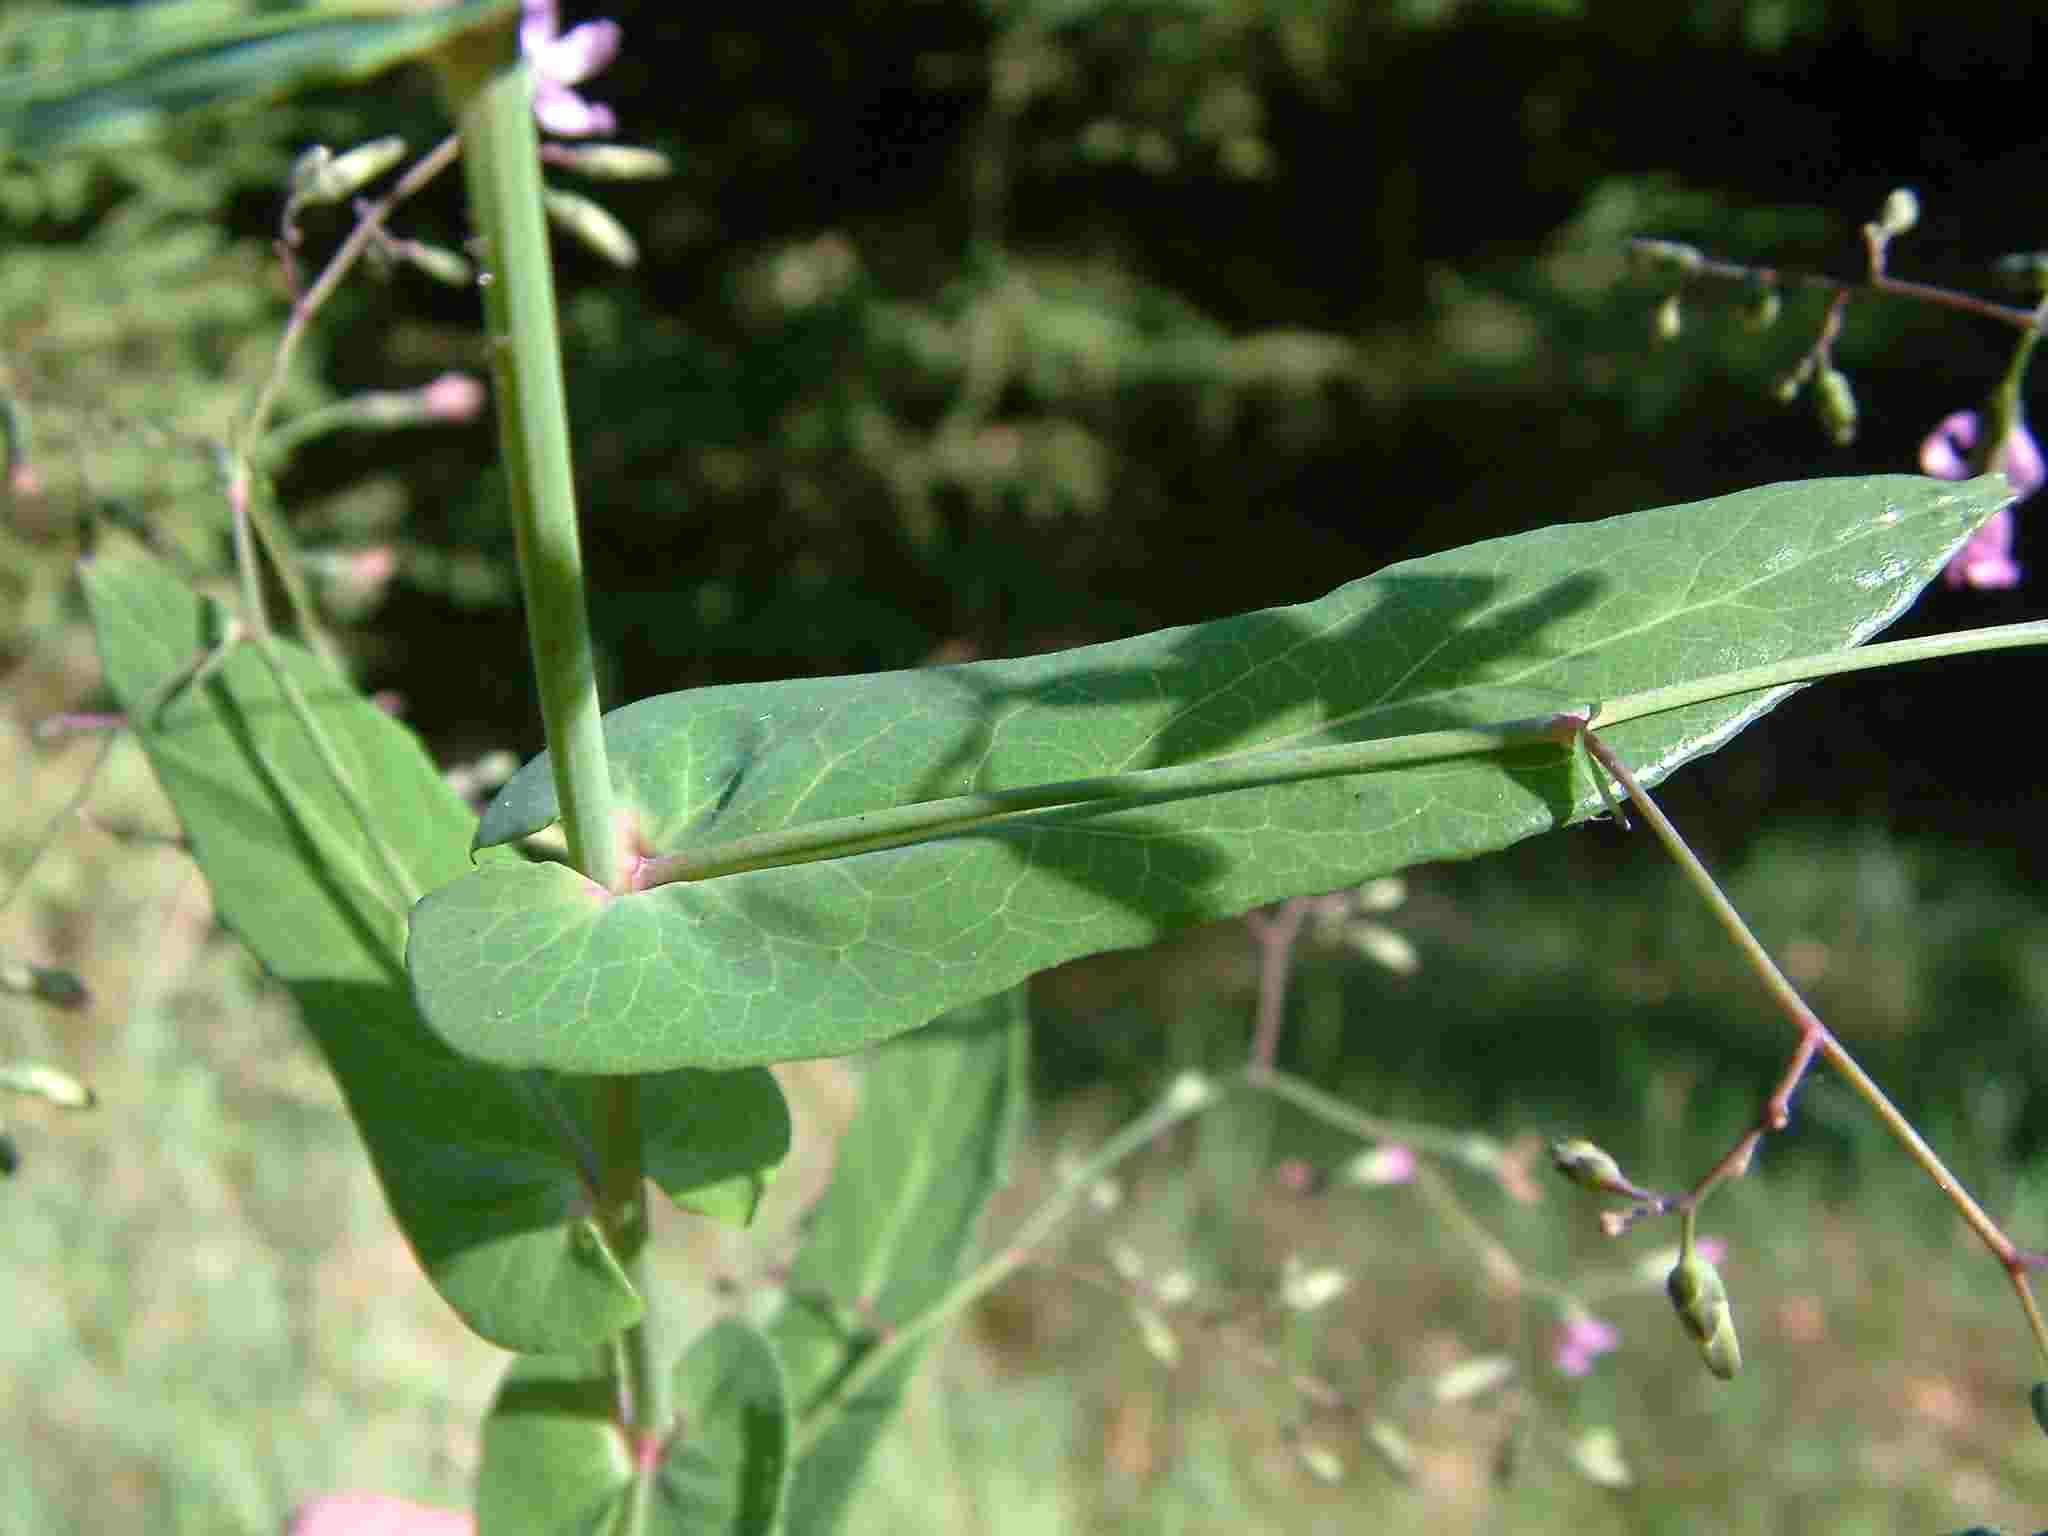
<point>2024,272</point>
<point>439,263</point>
<point>48,1084</point>
<point>1160,1341</point>
<point>1760,312</point>
<point>1597,1456</point>
<point>1670,320</point>
<point>610,162</point>
<point>1787,389</point>
<point>1392,1447</point>
<point>44,983</point>
<point>1588,1167</point>
<point>1323,1464</point>
<point>2037,1399</point>
<point>1701,1301</point>
<point>320,176</point>
<point>1900,213</point>
<point>1665,258</point>
<point>1722,1350</point>
<point>1836,403</point>
<point>595,226</point>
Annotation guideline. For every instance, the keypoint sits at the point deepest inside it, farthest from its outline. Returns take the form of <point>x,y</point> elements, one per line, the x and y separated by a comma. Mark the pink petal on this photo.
<point>538,23</point>
<point>578,53</point>
<point>1942,454</point>
<point>566,115</point>
<point>376,1514</point>
<point>1986,562</point>
<point>2020,462</point>
<point>452,397</point>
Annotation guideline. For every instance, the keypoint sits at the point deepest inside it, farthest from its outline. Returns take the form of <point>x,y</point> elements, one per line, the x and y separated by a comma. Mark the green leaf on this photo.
<point>556,1462</point>
<point>480,1164</point>
<point>100,77</point>
<point>531,965</point>
<point>728,1468</point>
<point>554,1459</point>
<point>940,1111</point>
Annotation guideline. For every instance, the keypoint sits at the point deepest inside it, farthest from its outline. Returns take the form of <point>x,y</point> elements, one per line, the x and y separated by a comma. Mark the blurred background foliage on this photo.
<point>975,329</point>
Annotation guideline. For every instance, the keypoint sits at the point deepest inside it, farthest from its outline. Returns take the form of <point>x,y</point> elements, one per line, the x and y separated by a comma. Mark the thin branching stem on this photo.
<point>1189,1096</point>
<point>1815,1039</point>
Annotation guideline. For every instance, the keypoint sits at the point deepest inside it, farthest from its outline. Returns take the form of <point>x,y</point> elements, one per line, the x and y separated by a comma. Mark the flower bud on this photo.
<point>1701,1300</point>
<point>48,1084</point>
<point>2024,272</point>
<point>610,162</point>
<point>595,226</point>
<point>1900,213</point>
<point>1670,320</point>
<point>1760,311</point>
<point>1392,1447</point>
<point>1161,1343</point>
<point>1597,1456</point>
<point>320,176</point>
<point>44,983</point>
<point>1665,258</point>
<point>1473,1378</point>
<point>1190,1091</point>
<point>444,266</point>
<point>1836,404</point>
<point>1323,1464</point>
<point>1388,1163</point>
<point>1305,1290</point>
<point>1588,1167</point>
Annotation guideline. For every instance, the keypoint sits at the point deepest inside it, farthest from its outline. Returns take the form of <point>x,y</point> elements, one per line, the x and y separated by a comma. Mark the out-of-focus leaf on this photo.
<point>98,77</point>
<point>939,1113</point>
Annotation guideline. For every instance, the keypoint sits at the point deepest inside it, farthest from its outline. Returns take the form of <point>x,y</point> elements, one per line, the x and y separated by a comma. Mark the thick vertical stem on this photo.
<point>503,166</point>
<point>501,157</point>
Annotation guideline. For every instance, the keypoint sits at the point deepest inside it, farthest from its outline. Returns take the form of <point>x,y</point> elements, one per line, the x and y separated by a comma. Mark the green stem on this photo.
<point>404,887</point>
<point>503,167</point>
<point>1816,1038</point>
<point>250,431</point>
<point>897,825</point>
<point>1458,1146</point>
<point>1189,1096</point>
<point>502,164</point>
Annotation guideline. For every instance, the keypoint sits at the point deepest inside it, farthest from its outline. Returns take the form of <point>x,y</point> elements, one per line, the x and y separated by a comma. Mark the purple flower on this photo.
<point>1985,562</point>
<point>562,60</point>
<point>1583,1338</point>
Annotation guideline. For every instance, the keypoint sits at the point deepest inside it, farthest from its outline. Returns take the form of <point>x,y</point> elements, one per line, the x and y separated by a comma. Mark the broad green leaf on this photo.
<point>530,965</point>
<point>727,1470</point>
<point>556,1462</point>
<point>99,77</point>
<point>939,1113</point>
<point>480,1164</point>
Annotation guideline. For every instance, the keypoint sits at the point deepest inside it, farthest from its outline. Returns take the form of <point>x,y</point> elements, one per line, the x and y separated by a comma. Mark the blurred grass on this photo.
<point>212,1318</point>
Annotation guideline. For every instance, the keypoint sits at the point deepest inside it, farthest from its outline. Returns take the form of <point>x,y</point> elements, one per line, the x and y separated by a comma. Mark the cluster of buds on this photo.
<point>1962,445</point>
<point>1694,1284</point>
<point>1673,262</point>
